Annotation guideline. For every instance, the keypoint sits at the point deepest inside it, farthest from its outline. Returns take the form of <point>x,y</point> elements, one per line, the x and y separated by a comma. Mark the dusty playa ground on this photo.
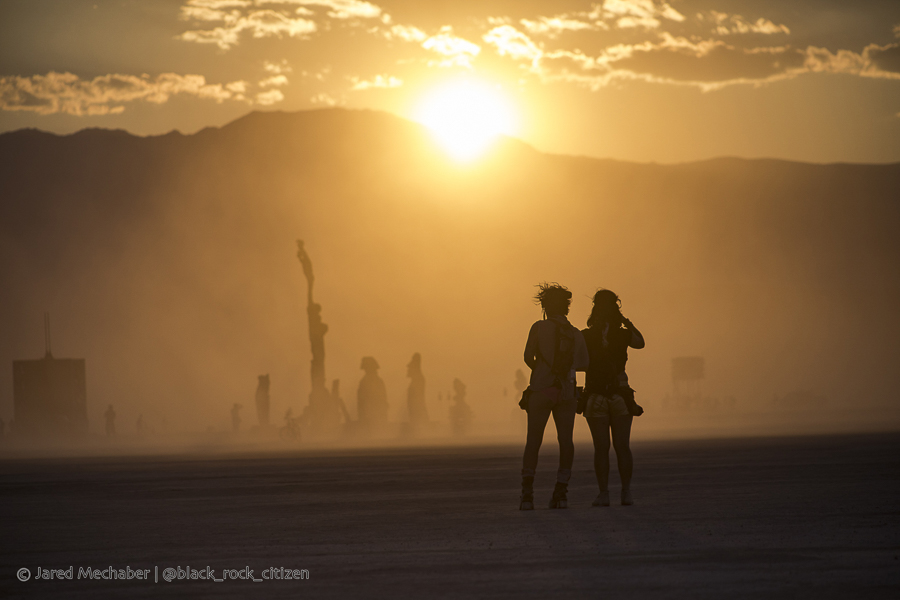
<point>813,517</point>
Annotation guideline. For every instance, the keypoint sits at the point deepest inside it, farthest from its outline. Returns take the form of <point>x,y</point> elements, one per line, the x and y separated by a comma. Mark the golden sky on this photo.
<point>629,79</point>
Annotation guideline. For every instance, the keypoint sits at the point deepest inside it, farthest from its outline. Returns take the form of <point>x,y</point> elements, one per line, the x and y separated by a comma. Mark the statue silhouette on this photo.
<point>371,396</point>
<point>110,417</point>
<point>262,400</point>
<point>415,395</point>
<point>460,413</point>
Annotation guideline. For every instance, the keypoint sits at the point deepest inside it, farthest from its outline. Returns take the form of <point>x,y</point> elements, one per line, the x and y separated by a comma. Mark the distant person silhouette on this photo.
<point>262,400</point>
<point>236,417</point>
<point>415,395</point>
<point>141,426</point>
<point>520,383</point>
<point>610,402</point>
<point>371,396</point>
<point>460,413</point>
<point>554,351</point>
<point>110,417</point>
<point>338,401</point>
<point>518,420</point>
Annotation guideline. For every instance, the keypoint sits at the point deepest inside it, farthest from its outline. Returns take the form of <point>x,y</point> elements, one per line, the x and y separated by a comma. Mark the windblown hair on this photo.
<point>553,298</point>
<point>607,309</point>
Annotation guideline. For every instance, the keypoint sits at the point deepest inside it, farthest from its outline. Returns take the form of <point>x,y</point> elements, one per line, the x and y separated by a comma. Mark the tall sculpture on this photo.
<point>323,415</point>
<point>317,330</point>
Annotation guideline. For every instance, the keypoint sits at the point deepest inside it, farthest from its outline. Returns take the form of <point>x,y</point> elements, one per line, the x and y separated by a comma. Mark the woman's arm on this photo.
<point>637,340</point>
<point>531,347</point>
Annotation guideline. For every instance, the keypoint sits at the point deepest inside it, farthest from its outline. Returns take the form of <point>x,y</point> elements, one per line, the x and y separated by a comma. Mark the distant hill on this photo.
<point>169,263</point>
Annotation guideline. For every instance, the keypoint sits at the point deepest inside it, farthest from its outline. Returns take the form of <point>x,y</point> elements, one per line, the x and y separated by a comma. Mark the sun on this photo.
<point>466,116</point>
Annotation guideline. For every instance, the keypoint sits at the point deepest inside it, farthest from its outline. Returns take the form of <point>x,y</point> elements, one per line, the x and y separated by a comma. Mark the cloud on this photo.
<point>638,13</point>
<point>277,68</point>
<point>266,18</point>
<point>261,23</point>
<point>67,93</point>
<point>379,81</point>
<point>726,24</point>
<point>458,52</point>
<point>554,26</point>
<point>511,42</point>
<point>407,33</point>
<point>618,41</point>
<point>323,98</point>
<point>340,9</point>
<point>274,80</point>
<point>879,62</point>
<point>270,97</point>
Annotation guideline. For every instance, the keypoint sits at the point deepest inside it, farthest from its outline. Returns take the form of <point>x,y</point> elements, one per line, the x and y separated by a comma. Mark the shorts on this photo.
<point>598,405</point>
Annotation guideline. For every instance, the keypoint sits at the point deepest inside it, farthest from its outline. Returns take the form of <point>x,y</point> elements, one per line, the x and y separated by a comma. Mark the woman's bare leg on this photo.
<point>621,435</point>
<point>600,433</point>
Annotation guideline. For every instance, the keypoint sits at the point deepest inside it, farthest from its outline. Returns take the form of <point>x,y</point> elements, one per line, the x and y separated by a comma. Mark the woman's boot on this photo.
<point>559,499</point>
<point>526,502</point>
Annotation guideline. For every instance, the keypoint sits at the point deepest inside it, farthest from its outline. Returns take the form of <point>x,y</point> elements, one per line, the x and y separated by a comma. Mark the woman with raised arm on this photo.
<point>610,405</point>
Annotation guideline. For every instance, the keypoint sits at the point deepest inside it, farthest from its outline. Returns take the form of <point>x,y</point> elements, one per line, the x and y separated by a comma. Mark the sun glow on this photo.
<point>466,117</point>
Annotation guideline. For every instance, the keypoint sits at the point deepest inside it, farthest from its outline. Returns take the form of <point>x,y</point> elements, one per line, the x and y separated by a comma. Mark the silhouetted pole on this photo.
<point>317,331</point>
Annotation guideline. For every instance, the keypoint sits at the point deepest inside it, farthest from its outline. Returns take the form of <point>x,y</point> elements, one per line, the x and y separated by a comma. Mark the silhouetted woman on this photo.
<point>554,351</point>
<point>610,405</point>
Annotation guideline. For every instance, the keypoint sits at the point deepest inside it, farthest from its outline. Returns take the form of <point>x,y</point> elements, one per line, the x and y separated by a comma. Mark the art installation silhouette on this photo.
<point>110,418</point>
<point>291,429</point>
<point>460,413</point>
<point>610,405</point>
<point>323,415</point>
<point>236,417</point>
<point>415,395</point>
<point>371,397</point>
<point>554,351</point>
<point>262,400</point>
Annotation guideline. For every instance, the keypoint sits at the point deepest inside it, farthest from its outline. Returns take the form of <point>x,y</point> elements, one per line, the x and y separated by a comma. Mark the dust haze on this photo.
<point>169,264</point>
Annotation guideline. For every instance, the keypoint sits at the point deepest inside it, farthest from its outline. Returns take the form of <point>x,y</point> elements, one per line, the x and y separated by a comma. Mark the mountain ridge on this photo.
<point>169,261</point>
<point>174,133</point>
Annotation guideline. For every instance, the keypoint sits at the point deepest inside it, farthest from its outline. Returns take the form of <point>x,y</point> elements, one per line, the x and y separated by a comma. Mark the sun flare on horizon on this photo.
<point>466,117</point>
